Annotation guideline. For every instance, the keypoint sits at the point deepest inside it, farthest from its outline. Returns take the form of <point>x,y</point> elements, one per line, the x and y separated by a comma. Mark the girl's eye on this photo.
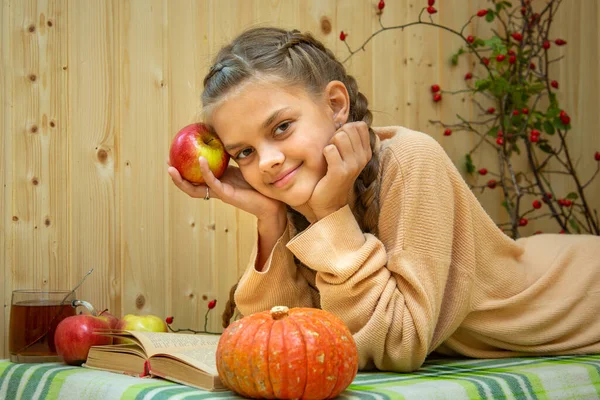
<point>282,128</point>
<point>243,154</point>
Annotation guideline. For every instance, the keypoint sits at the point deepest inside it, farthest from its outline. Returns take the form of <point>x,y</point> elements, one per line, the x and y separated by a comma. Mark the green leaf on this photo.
<point>482,84</point>
<point>516,148</point>
<point>454,59</point>
<point>552,112</point>
<point>493,132</point>
<point>489,17</point>
<point>508,4</point>
<point>574,225</point>
<point>572,196</point>
<point>548,128</point>
<point>479,42</point>
<point>546,148</point>
<point>469,164</point>
<point>537,125</point>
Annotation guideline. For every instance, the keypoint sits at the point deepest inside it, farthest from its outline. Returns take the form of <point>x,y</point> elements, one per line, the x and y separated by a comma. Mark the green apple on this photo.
<point>146,323</point>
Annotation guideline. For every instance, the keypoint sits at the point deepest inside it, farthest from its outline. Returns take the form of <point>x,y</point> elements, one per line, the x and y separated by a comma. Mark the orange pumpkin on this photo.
<point>287,354</point>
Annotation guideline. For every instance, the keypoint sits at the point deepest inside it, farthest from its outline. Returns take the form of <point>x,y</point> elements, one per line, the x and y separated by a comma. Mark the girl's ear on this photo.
<point>338,101</point>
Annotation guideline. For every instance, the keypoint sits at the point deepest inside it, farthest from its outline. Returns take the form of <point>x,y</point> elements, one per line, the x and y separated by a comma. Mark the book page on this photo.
<point>202,357</point>
<point>161,342</point>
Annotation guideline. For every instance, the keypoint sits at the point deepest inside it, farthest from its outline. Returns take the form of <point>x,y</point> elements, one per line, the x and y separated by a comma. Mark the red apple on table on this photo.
<point>75,335</point>
<point>111,319</point>
<point>191,142</point>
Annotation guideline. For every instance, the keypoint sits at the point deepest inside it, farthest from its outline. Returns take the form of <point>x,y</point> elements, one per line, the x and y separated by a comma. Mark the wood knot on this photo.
<point>52,124</point>
<point>50,23</point>
<point>34,129</point>
<point>191,296</point>
<point>47,222</point>
<point>31,28</point>
<point>35,181</point>
<point>32,77</point>
<point>102,155</point>
<point>15,218</point>
<point>325,25</point>
<point>204,297</point>
<point>140,301</point>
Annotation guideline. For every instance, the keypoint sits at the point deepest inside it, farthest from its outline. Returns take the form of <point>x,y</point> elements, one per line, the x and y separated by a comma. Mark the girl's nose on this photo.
<point>270,157</point>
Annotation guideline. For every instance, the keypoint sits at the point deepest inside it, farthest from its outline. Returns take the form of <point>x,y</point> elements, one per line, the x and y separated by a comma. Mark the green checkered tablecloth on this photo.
<point>565,377</point>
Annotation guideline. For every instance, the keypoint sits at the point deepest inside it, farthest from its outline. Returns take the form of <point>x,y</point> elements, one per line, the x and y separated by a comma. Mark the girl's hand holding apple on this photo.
<point>232,189</point>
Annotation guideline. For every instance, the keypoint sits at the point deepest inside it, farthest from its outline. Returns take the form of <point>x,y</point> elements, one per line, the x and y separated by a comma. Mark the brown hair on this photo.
<point>296,59</point>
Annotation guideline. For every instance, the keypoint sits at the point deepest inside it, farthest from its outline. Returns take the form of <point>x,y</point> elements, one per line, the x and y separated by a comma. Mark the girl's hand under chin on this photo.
<point>347,154</point>
<point>232,189</point>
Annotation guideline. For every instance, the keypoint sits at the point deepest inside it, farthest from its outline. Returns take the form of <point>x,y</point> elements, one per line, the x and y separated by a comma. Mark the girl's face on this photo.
<point>277,135</point>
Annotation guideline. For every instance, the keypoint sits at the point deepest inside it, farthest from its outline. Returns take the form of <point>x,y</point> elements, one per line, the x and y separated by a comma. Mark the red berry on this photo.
<point>482,13</point>
<point>534,139</point>
<point>212,304</point>
<point>537,232</point>
<point>500,57</point>
<point>517,36</point>
<point>532,66</point>
<point>537,204</point>
<point>597,156</point>
<point>431,10</point>
<point>535,132</point>
<point>470,39</point>
<point>523,10</point>
<point>523,222</point>
<point>435,88</point>
<point>548,196</point>
<point>512,59</point>
<point>499,141</point>
<point>515,112</point>
<point>568,203</point>
<point>560,42</point>
<point>430,2</point>
<point>511,52</point>
<point>500,133</point>
<point>448,132</point>
<point>546,44</point>
<point>563,113</point>
<point>491,110</point>
<point>561,202</point>
<point>562,231</point>
<point>381,4</point>
<point>437,97</point>
<point>169,320</point>
<point>554,84</point>
<point>525,110</point>
<point>485,60</point>
<point>565,119</point>
<point>468,76</point>
<point>343,36</point>
<point>483,171</point>
<point>492,183</point>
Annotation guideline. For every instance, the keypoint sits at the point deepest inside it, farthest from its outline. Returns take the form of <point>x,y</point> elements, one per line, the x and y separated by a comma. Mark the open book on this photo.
<point>183,358</point>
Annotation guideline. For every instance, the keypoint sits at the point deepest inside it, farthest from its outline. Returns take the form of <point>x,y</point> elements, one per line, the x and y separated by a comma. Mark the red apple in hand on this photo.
<point>189,144</point>
<point>75,335</point>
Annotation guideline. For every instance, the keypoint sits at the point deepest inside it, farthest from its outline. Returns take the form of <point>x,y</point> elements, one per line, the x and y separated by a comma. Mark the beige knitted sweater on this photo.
<point>440,275</point>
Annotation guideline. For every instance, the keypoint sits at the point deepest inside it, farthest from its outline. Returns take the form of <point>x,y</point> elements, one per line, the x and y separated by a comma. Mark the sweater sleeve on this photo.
<point>281,282</point>
<point>390,296</point>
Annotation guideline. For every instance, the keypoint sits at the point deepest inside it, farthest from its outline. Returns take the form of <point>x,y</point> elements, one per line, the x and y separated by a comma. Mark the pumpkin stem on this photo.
<point>279,312</point>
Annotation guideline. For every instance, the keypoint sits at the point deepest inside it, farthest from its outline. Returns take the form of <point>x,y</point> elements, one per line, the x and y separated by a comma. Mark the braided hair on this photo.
<point>296,59</point>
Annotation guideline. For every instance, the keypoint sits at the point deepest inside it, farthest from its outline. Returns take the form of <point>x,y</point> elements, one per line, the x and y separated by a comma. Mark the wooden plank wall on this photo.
<point>93,91</point>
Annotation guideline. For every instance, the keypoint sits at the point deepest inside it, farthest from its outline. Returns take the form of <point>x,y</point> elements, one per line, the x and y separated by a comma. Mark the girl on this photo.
<point>377,225</point>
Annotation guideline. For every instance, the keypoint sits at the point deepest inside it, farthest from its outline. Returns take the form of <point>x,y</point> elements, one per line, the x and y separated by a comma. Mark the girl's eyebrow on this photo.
<point>273,117</point>
<point>265,125</point>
